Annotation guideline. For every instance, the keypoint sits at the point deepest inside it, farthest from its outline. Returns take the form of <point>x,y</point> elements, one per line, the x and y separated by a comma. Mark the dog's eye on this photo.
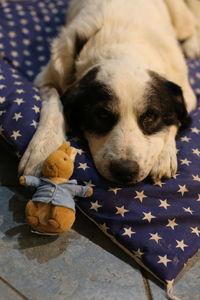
<point>102,114</point>
<point>149,121</point>
<point>149,118</point>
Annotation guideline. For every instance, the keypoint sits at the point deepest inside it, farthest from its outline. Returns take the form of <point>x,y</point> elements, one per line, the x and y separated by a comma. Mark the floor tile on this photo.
<point>7,292</point>
<point>70,266</point>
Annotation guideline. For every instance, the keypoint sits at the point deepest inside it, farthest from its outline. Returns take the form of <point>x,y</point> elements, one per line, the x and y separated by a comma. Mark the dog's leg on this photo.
<point>182,19</point>
<point>191,46</point>
<point>186,23</point>
<point>166,164</point>
<point>49,136</point>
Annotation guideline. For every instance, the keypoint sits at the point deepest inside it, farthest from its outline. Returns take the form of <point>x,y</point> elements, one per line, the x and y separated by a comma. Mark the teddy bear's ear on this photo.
<point>65,147</point>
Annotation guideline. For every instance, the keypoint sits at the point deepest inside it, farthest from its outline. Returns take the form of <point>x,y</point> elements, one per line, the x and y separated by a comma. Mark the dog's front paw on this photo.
<point>166,164</point>
<point>42,144</point>
<point>191,47</point>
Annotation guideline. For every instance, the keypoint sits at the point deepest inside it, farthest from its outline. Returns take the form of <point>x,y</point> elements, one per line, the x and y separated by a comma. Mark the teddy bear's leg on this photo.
<point>37,214</point>
<point>31,219</point>
<point>62,218</point>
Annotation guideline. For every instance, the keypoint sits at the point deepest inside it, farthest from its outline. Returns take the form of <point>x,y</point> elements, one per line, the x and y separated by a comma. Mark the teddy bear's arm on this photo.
<point>81,191</point>
<point>31,181</point>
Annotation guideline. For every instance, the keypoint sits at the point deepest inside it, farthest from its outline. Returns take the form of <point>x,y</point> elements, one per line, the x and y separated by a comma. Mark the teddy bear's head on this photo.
<point>60,163</point>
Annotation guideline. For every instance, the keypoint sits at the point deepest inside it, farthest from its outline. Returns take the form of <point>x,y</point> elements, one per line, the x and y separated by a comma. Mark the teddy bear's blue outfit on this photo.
<point>61,194</point>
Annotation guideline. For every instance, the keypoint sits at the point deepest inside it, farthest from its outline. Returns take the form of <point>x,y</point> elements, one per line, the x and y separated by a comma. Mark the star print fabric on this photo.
<point>158,225</point>
<point>26,29</point>
<point>20,105</point>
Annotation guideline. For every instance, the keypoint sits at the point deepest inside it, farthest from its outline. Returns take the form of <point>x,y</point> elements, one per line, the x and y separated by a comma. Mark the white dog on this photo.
<point>120,71</point>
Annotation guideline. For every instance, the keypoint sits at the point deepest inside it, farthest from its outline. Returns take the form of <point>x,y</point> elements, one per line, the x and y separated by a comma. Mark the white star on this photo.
<point>188,209</point>
<point>128,231</point>
<point>196,151</point>
<point>1,129</point>
<point>19,91</point>
<point>180,244</point>
<point>185,139</point>
<point>26,42</point>
<point>182,189</point>
<point>148,216</point>
<point>163,260</point>
<point>95,206</point>
<point>140,195</point>
<point>16,64</point>
<point>34,123</point>
<point>138,253</point>
<point>16,134</point>
<point>164,204</point>
<point>104,227</point>
<point>155,237</point>
<point>2,112</point>
<point>159,183</point>
<point>2,77</point>
<point>14,53</point>
<point>12,34</point>
<point>195,130</point>
<point>17,116</point>
<point>185,162</point>
<point>196,177</point>
<point>89,183</point>
<point>83,166</point>
<point>30,73</point>
<point>17,82</point>
<point>171,223</point>
<point>2,86</point>
<point>175,176</point>
<point>19,101</point>
<point>79,151</point>
<point>15,76</point>
<point>195,230</point>
<point>2,99</point>
<point>36,109</point>
<point>121,210</point>
<point>114,190</point>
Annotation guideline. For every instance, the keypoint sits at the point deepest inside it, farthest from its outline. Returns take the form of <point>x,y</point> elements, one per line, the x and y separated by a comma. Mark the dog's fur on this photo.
<point>123,80</point>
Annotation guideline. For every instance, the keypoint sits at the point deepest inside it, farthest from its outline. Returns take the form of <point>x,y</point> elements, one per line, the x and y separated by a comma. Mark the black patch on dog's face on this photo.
<point>165,106</point>
<point>88,105</point>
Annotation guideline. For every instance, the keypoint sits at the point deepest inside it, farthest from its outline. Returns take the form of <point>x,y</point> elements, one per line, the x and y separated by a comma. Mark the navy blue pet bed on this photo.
<point>158,225</point>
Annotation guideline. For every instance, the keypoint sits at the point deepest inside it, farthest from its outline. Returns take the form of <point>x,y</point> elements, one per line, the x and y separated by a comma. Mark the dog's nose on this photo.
<point>124,170</point>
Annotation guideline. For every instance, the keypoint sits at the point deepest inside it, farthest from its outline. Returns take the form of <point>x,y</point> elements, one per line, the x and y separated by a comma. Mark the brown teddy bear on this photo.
<point>52,208</point>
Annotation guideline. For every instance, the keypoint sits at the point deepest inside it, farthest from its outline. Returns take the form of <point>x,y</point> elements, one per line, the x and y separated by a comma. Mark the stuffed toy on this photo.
<point>52,208</point>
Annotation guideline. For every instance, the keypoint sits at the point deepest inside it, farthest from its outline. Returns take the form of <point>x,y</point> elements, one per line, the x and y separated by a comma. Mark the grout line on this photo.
<point>147,287</point>
<point>13,288</point>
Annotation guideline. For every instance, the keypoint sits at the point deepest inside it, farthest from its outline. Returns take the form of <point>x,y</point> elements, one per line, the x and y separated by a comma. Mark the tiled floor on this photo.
<point>82,264</point>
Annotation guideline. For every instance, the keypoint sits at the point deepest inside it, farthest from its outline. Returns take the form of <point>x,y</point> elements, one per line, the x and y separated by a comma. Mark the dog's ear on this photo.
<point>168,96</point>
<point>78,99</point>
<point>72,106</point>
<point>178,104</point>
<point>60,70</point>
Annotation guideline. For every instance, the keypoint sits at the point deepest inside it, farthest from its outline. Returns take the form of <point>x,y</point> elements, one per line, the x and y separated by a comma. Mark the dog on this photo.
<point>120,71</point>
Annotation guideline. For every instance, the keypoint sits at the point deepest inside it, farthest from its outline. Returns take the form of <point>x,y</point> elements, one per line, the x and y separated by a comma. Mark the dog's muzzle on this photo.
<point>124,171</point>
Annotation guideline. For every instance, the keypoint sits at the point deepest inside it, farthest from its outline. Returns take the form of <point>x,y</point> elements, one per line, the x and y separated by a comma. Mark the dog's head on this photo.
<point>125,116</point>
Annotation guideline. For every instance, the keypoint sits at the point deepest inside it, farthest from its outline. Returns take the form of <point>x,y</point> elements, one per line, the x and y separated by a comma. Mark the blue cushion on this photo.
<point>158,225</point>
